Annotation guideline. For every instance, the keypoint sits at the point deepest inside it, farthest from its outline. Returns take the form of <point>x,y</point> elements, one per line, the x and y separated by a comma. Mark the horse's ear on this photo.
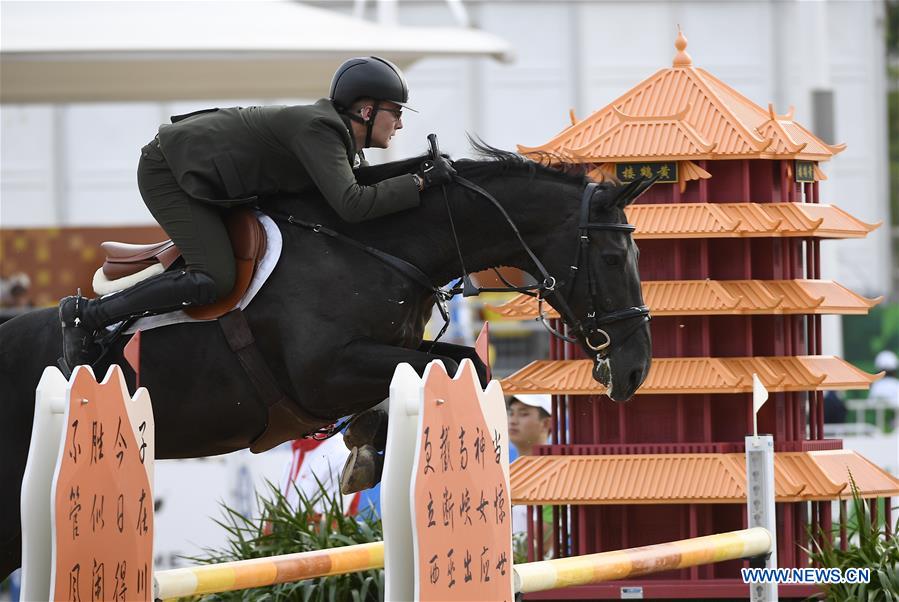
<point>632,192</point>
<point>623,194</point>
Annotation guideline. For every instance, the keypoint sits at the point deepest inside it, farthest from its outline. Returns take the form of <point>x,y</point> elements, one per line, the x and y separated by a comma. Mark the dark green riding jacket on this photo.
<point>237,155</point>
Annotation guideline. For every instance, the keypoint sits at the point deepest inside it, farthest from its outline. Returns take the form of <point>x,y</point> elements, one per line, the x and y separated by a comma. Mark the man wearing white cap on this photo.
<point>529,422</point>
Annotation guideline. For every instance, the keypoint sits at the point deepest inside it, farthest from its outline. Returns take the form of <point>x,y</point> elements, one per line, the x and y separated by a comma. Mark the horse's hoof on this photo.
<point>362,470</point>
<point>367,428</point>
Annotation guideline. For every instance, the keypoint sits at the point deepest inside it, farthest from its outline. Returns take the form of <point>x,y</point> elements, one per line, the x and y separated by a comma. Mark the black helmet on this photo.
<point>368,77</point>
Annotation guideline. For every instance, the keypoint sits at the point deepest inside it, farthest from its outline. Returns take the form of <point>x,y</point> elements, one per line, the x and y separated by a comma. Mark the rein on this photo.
<point>540,291</point>
<point>411,271</point>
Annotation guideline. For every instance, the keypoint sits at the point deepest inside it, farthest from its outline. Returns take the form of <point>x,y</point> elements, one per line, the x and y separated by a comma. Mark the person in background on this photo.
<point>530,425</point>
<point>14,292</point>
<point>887,388</point>
<point>15,296</point>
<point>530,422</point>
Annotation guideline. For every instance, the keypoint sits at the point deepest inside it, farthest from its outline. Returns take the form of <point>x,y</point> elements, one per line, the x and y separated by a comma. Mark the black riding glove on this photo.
<point>436,173</point>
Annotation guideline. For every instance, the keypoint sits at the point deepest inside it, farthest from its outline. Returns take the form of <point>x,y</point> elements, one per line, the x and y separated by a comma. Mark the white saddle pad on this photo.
<point>263,271</point>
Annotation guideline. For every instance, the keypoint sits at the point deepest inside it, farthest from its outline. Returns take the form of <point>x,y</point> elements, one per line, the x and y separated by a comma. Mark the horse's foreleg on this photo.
<point>360,376</point>
<point>360,379</point>
<point>366,426</point>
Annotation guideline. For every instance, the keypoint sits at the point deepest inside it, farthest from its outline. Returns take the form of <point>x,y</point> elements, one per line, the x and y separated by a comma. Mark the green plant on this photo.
<point>868,547</point>
<point>317,523</point>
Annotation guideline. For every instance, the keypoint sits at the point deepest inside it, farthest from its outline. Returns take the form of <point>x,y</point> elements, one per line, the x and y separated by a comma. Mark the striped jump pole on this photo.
<point>529,577</point>
<point>261,572</point>
<point>622,564</point>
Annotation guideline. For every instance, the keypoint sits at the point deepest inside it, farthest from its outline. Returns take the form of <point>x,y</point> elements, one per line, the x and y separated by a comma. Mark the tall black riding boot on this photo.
<point>168,291</point>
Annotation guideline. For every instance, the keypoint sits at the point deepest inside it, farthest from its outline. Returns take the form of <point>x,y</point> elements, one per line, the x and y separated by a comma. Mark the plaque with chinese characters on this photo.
<point>103,503</point>
<point>804,171</point>
<point>666,171</point>
<point>461,505</point>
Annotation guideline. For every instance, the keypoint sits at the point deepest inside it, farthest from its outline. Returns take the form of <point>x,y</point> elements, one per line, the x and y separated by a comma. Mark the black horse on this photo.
<point>333,322</point>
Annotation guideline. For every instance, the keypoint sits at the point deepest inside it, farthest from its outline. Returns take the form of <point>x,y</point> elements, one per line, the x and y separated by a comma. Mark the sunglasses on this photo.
<point>397,113</point>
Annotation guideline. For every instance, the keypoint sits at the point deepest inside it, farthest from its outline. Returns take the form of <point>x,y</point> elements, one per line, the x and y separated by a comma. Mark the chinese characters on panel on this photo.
<point>462,507</point>
<point>104,506</point>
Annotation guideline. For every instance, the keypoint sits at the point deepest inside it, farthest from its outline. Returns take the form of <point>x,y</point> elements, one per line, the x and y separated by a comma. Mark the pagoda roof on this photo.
<point>726,297</point>
<point>697,375</point>
<point>740,220</point>
<point>649,139</point>
<point>691,478</point>
<point>684,112</point>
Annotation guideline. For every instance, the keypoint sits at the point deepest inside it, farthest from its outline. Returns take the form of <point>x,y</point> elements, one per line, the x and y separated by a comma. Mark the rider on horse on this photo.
<point>210,160</point>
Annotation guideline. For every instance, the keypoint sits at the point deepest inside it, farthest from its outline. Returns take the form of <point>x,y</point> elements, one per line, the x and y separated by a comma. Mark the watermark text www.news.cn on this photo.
<point>807,575</point>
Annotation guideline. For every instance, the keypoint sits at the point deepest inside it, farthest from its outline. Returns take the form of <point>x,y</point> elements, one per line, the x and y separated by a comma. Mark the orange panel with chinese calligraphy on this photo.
<point>103,504</point>
<point>461,499</point>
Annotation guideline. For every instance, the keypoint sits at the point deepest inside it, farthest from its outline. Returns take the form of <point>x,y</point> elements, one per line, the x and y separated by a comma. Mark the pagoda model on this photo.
<point>730,261</point>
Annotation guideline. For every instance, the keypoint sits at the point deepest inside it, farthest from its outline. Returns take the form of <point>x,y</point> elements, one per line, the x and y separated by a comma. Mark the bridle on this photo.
<point>591,325</point>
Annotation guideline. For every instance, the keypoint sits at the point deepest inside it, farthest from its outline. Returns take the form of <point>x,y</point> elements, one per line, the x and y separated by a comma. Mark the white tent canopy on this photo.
<point>110,51</point>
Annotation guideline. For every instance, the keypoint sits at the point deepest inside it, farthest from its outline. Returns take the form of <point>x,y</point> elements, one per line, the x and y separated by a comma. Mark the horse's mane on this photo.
<point>497,161</point>
<point>494,162</point>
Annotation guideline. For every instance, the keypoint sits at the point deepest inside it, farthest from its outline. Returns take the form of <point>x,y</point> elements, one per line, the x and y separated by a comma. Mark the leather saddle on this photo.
<point>248,242</point>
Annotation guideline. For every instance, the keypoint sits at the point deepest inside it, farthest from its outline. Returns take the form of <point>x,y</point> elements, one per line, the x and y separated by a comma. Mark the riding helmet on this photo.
<point>368,77</point>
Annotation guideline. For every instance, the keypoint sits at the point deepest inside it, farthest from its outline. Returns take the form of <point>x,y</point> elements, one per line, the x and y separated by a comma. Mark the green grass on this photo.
<point>868,547</point>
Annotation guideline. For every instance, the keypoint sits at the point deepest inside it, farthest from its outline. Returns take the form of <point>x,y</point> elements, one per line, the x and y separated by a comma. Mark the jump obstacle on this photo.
<point>528,577</point>
<point>436,445</point>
